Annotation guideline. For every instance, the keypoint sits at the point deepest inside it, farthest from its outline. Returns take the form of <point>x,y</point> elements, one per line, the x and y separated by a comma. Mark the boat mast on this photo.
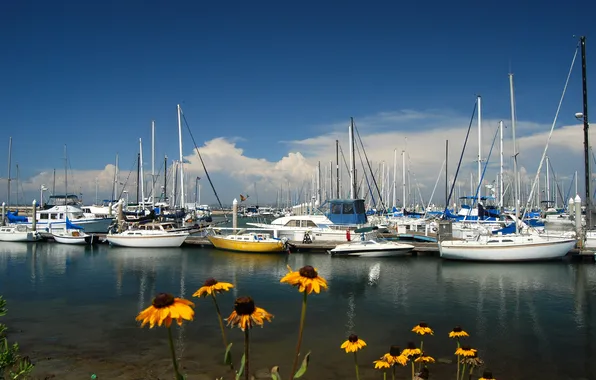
<point>394,178</point>
<point>479,147</point>
<point>65,177</point>
<point>9,166</point>
<point>182,201</point>
<point>515,179</point>
<point>353,190</point>
<point>547,184</point>
<point>501,189</point>
<point>116,195</point>
<point>446,173</point>
<point>586,135</point>
<point>142,175</point>
<point>153,163</point>
<point>337,168</point>
<point>403,178</point>
<point>138,174</point>
<point>165,178</point>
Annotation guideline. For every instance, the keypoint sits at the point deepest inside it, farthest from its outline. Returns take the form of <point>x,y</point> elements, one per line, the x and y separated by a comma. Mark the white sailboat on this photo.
<point>149,235</point>
<point>18,232</point>
<point>514,247</point>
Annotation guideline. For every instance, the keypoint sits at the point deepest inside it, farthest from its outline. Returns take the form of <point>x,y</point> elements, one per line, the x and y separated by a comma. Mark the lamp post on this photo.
<point>41,190</point>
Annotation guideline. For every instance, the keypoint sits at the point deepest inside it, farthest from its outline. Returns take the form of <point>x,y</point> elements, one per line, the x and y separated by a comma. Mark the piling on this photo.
<point>34,221</point>
<point>235,214</point>
<point>110,209</point>
<point>3,220</point>
<point>120,217</point>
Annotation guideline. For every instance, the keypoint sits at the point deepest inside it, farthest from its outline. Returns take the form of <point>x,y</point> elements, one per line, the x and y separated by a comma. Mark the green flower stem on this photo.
<point>393,372</point>
<point>300,332</point>
<point>246,353</point>
<point>458,346</point>
<point>220,319</point>
<point>356,366</point>
<point>173,352</point>
<point>463,371</point>
<point>384,375</point>
<point>421,353</point>
<point>471,372</point>
<point>413,372</point>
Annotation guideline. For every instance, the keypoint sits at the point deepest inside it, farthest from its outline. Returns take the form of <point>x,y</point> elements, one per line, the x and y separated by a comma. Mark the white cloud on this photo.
<point>421,134</point>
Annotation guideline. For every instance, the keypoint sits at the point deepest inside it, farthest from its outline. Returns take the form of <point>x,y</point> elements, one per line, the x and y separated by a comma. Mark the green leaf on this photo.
<point>241,369</point>
<point>302,370</point>
<point>228,355</point>
<point>275,373</point>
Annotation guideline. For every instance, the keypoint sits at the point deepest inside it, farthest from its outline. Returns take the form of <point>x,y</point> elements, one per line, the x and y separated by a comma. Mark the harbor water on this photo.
<point>72,309</point>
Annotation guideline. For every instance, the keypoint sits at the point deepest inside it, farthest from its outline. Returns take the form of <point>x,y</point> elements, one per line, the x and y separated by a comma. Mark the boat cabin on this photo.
<point>345,211</point>
<point>251,236</point>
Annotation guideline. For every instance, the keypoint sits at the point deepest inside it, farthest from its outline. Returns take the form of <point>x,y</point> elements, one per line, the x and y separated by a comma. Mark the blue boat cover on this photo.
<point>71,226</point>
<point>14,217</point>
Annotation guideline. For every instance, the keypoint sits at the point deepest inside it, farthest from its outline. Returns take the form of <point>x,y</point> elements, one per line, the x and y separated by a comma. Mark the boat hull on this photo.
<point>80,240</point>
<point>90,226</point>
<point>247,246</point>
<point>368,249</point>
<point>158,241</point>
<point>538,251</point>
<point>20,236</point>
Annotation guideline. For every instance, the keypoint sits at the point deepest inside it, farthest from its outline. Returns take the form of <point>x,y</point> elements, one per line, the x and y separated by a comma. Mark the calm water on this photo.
<point>73,309</point>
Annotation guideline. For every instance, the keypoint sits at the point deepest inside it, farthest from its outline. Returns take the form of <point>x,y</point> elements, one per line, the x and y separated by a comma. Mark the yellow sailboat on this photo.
<point>248,242</point>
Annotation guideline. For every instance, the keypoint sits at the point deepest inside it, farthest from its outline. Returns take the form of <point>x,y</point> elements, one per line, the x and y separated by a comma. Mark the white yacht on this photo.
<point>18,232</point>
<point>149,235</point>
<point>54,219</point>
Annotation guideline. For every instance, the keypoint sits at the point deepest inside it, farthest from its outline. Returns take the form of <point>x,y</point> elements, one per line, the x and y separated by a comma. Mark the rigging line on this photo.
<point>552,128</point>
<point>344,159</point>
<point>365,175</point>
<point>550,164</point>
<point>484,169</point>
<point>565,200</point>
<point>126,182</point>
<point>460,160</point>
<point>426,209</point>
<point>369,167</point>
<point>415,180</point>
<point>203,163</point>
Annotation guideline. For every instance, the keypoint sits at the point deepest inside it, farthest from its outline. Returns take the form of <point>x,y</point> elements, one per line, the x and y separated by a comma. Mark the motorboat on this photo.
<point>371,246</point>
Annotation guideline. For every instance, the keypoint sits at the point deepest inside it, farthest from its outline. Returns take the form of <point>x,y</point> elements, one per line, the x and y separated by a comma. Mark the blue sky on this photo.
<point>93,75</point>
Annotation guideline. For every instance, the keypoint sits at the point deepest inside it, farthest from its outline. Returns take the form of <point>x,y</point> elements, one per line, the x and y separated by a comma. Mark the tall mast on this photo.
<point>138,174</point>
<point>182,201</point>
<point>9,167</point>
<point>353,190</point>
<point>318,189</point>
<point>330,196</point>
<point>153,163</point>
<point>501,192</point>
<point>586,135</point>
<point>337,168</point>
<point>165,178</point>
<point>65,176</point>
<point>479,147</point>
<point>116,195</point>
<point>394,178</point>
<point>142,175</point>
<point>403,178</point>
<point>547,183</point>
<point>515,179</point>
<point>446,173</point>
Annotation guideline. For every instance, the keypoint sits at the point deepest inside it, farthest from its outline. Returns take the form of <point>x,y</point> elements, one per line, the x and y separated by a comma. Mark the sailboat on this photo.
<point>514,247</point>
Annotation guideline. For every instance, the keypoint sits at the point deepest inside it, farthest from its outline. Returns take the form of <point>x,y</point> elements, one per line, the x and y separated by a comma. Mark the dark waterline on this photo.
<point>76,306</point>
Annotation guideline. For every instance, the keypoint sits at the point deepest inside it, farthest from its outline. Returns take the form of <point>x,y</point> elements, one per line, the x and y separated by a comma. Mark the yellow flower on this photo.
<point>487,375</point>
<point>212,286</point>
<point>425,359</point>
<point>394,356</point>
<point>307,279</point>
<point>353,344</point>
<point>381,364</point>
<point>422,329</point>
<point>466,351</point>
<point>411,350</point>
<point>457,332</point>
<point>246,314</point>
<point>165,308</point>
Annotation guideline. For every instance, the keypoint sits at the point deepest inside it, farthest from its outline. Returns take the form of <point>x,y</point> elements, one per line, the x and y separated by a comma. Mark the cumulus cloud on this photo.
<point>421,135</point>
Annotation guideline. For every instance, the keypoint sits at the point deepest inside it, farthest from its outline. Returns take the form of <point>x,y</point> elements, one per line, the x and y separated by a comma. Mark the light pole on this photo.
<point>41,190</point>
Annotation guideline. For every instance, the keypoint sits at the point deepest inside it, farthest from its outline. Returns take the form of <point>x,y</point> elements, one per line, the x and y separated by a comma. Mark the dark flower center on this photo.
<point>457,329</point>
<point>352,338</point>
<point>210,282</point>
<point>308,272</point>
<point>466,348</point>
<point>423,324</point>
<point>163,300</point>
<point>487,375</point>
<point>244,306</point>
<point>411,346</point>
<point>394,351</point>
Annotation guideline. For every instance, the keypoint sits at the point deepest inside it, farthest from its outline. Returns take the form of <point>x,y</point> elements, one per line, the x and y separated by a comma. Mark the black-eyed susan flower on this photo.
<point>466,351</point>
<point>422,329</point>
<point>165,308</point>
<point>307,279</point>
<point>487,375</point>
<point>473,361</point>
<point>394,356</point>
<point>353,344</point>
<point>246,314</point>
<point>411,350</point>
<point>382,364</point>
<point>457,332</point>
<point>212,286</point>
<point>423,358</point>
